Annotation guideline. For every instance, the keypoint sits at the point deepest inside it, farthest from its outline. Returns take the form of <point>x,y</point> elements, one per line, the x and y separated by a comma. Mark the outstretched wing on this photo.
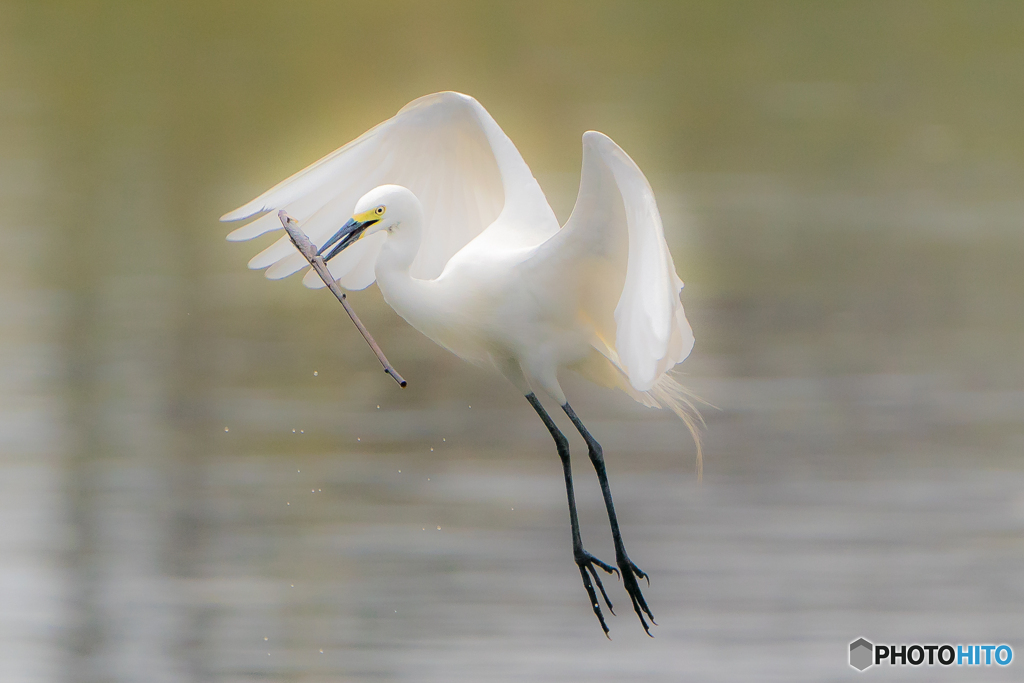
<point>444,147</point>
<point>614,246</point>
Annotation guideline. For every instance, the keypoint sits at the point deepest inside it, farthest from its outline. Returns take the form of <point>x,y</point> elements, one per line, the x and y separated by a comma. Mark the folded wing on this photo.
<point>444,147</point>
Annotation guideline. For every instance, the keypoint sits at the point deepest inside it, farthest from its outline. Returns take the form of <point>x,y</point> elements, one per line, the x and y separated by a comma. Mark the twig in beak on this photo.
<point>307,249</point>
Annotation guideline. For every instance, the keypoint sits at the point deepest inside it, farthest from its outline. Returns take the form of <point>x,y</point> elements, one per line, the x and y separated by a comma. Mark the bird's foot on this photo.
<point>630,573</point>
<point>585,561</point>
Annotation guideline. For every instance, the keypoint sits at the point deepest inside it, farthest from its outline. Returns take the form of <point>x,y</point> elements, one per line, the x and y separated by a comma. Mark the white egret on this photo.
<point>438,207</point>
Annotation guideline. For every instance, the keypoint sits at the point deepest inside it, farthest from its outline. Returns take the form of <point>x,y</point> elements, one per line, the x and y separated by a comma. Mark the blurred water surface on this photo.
<point>204,476</point>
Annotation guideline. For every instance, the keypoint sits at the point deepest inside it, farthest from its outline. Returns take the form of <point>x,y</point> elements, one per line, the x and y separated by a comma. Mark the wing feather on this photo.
<point>614,245</point>
<point>260,226</point>
<point>444,147</point>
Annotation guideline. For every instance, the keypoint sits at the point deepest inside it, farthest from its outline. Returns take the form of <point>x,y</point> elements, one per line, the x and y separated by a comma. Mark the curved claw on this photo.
<point>603,565</point>
<point>639,572</point>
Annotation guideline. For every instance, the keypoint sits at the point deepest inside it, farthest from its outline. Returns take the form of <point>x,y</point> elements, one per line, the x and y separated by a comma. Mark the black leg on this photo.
<point>630,572</point>
<point>584,560</point>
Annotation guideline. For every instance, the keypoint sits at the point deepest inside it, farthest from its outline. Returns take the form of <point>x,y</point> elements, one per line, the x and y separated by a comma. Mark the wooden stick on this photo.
<point>307,249</point>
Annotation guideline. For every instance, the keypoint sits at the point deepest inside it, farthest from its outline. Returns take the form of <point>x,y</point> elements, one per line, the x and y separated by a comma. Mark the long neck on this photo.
<point>410,297</point>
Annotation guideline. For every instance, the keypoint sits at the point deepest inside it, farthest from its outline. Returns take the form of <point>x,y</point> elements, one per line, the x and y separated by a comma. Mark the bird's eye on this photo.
<point>379,210</point>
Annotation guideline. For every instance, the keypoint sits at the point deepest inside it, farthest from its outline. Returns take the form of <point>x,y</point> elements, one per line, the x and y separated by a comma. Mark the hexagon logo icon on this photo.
<point>861,652</point>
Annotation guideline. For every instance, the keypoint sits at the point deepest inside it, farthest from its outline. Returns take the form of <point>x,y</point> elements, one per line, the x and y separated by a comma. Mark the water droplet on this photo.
<point>378,407</point>
<point>265,638</point>
<point>315,373</point>
<point>443,439</point>
<point>431,450</point>
<point>293,585</point>
<point>321,651</point>
<point>358,439</point>
<point>399,471</point>
<point>302,431</point>
<point>225,429</point>
<point>287,503</point>
<point>438,528</point>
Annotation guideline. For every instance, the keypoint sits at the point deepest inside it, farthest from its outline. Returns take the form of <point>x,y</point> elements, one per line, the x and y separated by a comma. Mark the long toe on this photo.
<point>630,573</point>
<point>586,562</point>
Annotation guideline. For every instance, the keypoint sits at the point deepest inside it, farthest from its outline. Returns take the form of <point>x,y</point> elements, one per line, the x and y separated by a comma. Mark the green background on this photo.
<point>841,185</point>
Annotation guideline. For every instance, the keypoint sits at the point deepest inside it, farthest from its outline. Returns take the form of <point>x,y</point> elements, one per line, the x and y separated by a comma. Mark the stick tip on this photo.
<point>388,370</point>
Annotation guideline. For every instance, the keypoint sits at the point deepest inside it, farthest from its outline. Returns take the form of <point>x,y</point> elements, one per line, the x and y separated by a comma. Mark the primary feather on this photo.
<point>444,147</point>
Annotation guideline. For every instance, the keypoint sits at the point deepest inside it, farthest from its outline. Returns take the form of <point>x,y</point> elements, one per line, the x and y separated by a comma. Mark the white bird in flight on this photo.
<point>438,207</point>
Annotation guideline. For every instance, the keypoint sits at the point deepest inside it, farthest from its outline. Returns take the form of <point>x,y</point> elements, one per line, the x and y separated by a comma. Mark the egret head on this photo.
<point>383,208</point>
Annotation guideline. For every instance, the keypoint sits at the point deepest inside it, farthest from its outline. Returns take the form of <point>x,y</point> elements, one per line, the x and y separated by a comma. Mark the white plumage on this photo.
<point>479,198</point>
<point>438,207</point>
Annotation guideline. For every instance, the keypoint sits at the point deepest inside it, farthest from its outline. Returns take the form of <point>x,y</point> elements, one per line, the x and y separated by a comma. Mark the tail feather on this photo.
<point>602,367</point>
<point>669,393</point>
